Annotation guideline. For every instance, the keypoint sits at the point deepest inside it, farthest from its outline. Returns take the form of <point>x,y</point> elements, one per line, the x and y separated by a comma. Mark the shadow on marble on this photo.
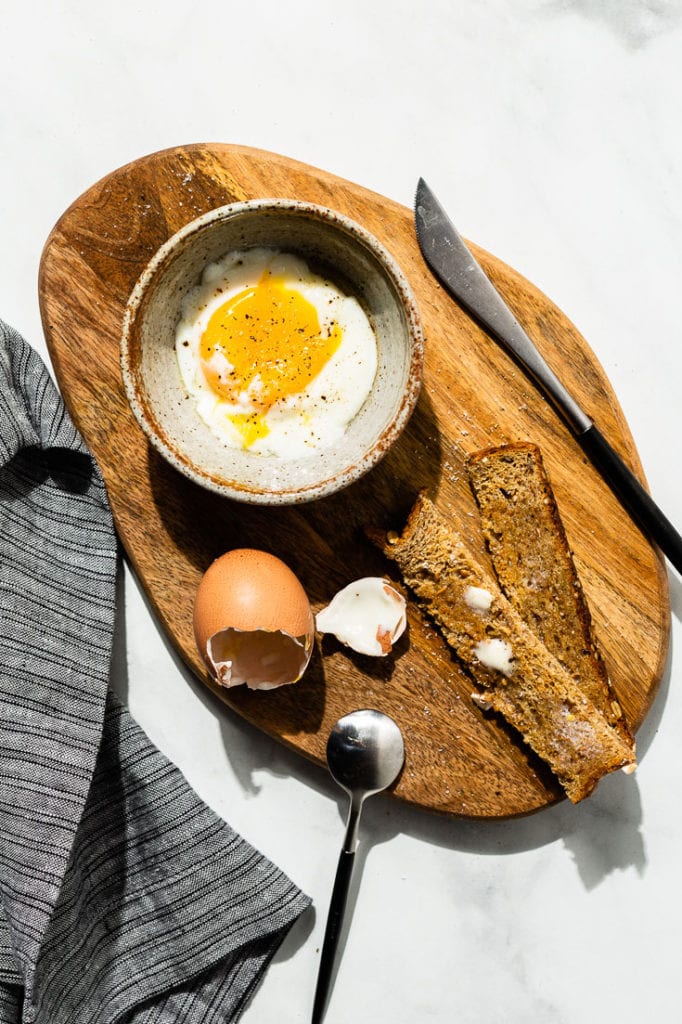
<point>602,835</point>
<point>675,583</point>
<point>118,678</point>
<point>297,936</point>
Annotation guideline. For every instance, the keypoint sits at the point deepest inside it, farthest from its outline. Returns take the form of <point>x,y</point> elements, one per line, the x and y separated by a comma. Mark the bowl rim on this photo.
<point>340,480</point>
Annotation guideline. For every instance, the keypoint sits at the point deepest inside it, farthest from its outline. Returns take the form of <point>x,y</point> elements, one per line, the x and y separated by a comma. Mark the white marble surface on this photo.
<point>551,128</point>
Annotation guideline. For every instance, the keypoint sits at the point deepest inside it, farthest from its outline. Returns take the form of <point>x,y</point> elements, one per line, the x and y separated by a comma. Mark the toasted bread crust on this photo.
<point>534,565</point>
<point>538,697</point>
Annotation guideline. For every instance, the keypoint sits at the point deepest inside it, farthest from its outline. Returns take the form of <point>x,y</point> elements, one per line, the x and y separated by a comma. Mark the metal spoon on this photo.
<point>365,753</point>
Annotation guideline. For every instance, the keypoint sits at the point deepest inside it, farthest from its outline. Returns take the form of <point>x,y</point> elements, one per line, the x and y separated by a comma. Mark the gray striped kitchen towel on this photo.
<point>122,896</point>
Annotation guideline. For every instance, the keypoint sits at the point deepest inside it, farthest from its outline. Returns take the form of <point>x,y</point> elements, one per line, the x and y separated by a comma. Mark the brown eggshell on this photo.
<point>248,589</point>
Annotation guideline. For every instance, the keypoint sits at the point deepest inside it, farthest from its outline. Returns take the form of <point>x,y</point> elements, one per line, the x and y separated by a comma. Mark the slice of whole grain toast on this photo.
<point>515,672</point>
<point>534,565</point>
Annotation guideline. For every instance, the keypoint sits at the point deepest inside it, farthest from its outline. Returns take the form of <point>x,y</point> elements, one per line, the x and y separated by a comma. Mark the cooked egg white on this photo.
<point>277,359</point>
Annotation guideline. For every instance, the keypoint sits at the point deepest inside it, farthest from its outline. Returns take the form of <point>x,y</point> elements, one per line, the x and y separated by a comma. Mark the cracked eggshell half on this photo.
<point>367,616</point>
<point>252,621</point>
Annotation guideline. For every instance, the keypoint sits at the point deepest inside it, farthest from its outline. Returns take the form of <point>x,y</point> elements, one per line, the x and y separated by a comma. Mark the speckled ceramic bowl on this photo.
<point>343,251</point>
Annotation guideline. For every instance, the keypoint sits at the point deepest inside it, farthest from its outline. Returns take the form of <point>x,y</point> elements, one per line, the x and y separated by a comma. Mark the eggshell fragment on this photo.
<point>367,616</point>
<point>252,621</point>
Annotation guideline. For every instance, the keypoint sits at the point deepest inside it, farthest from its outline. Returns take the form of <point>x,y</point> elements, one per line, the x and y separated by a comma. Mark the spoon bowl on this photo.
<point>365,753</point>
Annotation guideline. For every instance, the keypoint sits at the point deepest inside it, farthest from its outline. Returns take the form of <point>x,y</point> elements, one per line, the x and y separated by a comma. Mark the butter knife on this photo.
<point>453,264</point>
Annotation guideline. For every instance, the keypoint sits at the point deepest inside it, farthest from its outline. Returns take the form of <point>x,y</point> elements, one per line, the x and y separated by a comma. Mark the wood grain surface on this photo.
<point>459,760</point>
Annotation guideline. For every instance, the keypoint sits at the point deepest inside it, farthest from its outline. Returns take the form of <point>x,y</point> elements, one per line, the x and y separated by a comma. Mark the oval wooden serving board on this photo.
<point>458,759</point>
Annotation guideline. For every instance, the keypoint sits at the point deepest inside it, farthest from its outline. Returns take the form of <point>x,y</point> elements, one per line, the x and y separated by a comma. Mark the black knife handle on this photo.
<point>337,907</point>
<point>633,496</point>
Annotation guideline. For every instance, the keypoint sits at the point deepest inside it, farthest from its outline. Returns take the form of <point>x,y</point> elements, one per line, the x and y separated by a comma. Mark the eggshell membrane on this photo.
<point>247,589</point>
<point>367,615</point>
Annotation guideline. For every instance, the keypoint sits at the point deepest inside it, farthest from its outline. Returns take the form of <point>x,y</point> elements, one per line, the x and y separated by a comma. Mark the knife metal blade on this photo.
<point>452,262</point>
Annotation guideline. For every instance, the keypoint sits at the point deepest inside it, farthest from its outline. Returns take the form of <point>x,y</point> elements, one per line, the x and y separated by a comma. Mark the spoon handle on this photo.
<point>337,907</point>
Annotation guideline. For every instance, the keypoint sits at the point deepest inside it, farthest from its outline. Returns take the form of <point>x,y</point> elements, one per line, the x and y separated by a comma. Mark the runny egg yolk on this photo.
<point>264,342</point>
